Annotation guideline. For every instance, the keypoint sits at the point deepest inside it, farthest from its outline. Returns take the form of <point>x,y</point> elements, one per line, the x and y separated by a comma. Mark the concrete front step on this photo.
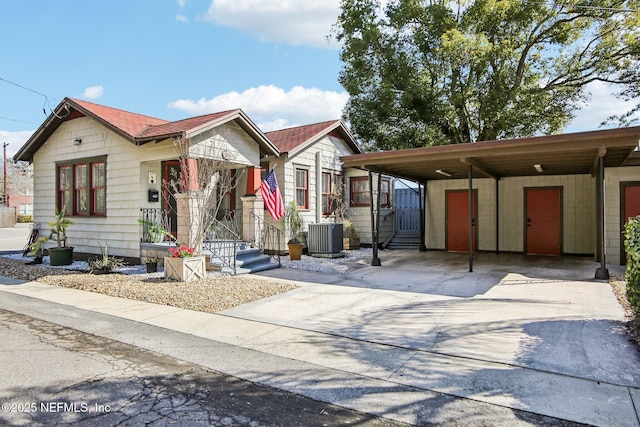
<point>404,241</point>
<point>251,261</point>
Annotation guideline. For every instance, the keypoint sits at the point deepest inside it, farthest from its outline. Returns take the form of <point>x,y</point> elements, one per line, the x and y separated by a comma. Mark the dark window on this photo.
<point>64,188</point>
<point>326,193</point>
<point>98,188</point>
<point>360,192</point>
<point>302,188</point>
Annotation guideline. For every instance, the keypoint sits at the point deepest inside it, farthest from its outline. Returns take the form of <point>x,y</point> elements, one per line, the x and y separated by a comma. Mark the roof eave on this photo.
<point>37,139</point>
<point>338,124</point>
<point>266,146</point>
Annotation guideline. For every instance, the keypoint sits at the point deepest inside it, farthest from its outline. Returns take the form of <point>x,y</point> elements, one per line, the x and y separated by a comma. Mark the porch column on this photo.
<point>188,215</point>
<point>252,229</point>
<point>253,181</point>
<point>189,169</point>
<point>601,272</point>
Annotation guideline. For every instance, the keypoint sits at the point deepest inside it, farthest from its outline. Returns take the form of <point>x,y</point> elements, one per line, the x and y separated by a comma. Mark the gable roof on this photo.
<point>292,140</point>
<point>137,128</point>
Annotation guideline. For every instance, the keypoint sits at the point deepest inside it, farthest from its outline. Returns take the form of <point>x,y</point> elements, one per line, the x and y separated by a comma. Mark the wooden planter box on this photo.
<point>184,269</point>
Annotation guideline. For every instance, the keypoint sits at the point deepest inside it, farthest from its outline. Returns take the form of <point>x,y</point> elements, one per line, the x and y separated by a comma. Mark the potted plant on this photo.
<point>152,264</point>
<point>105,263</point>
<point>62,254</point>
<point>156,233</point>
<point>294,223</point>
<point>182,265</point>
<point>351,238</point>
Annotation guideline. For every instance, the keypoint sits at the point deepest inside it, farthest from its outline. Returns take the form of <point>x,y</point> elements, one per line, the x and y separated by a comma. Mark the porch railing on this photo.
<point>222,243</point>
<point>155,224</point>
<point>269,238</point>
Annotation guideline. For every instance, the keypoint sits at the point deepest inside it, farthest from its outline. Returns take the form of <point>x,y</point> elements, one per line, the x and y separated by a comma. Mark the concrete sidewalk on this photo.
<point>524,346</point>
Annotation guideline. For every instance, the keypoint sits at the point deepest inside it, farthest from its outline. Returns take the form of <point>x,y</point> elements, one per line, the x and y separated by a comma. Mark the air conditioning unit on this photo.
<point>325,240</point>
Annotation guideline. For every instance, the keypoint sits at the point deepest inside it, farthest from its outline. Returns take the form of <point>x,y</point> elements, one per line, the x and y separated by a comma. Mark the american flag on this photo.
<point>272,197</point>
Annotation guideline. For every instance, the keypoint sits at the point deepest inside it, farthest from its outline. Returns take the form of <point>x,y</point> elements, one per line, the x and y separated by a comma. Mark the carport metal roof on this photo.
<point>574,153</point>
<point>566,154</point>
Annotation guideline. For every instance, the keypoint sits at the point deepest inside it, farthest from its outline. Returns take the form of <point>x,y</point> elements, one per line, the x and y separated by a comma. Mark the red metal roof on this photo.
<point>289,139</point>
<point>180,126</point>
<point>137,128</point>
<point>130,123</point>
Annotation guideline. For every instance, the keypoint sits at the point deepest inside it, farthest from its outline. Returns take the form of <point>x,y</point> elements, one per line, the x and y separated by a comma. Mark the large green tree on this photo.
<point>431,72</point>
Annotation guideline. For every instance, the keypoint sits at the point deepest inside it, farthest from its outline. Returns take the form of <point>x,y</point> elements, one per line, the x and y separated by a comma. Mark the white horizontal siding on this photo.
<point>578,209</point>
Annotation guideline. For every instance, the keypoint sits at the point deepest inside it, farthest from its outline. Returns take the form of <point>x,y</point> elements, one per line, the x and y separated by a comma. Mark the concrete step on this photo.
<point>404,241</point>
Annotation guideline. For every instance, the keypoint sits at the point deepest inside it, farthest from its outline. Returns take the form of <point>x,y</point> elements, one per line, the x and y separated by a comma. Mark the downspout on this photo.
<point>318,187</point>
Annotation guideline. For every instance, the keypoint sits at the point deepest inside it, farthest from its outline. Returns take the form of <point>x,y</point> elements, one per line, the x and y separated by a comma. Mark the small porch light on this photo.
<point>538,168</point>
<point>443,172</point>
<point>77,141</point>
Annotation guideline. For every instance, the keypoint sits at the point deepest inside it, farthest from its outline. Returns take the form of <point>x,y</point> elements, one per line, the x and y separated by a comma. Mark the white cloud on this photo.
<point>15,140</point>
<point>294,22</point>
<point>181,18</point>
<point>601,106</point>
<point>181,3</point>
<point>272,107</point>
<point>93,92</point>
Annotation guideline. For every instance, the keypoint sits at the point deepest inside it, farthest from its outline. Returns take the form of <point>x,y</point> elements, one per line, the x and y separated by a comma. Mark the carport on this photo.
<point>567,154</point>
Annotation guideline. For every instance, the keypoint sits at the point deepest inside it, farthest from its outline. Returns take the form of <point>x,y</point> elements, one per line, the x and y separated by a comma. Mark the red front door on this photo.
<point>458,221</point>
<point>543,221</point>
<point>630,207</point>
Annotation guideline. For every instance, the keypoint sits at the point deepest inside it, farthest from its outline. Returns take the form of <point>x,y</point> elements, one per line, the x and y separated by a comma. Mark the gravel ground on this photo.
<point>214,293</point>
<point>619,286</point>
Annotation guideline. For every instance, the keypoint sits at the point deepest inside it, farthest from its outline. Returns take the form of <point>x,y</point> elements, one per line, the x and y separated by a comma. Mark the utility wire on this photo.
<point>17,121</point>
<point>46,99</point>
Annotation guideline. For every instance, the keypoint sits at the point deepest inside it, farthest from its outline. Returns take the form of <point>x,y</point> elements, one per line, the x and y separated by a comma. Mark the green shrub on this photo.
<point>632,274</point>
<point>24,218</point>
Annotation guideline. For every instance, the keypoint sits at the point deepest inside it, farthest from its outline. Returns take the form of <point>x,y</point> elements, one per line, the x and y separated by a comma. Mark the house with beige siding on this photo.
<point>309,167</point>
<point>551,195</point>
<point>108,168</point>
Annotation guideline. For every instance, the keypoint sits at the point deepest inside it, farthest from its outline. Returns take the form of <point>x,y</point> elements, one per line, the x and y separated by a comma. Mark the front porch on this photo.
<point>238,241</point>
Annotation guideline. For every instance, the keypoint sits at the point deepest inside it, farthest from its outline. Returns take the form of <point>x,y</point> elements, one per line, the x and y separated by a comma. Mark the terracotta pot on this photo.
<point>295,251</point>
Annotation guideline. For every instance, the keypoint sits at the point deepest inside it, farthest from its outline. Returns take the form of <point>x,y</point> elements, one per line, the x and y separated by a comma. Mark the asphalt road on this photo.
<point>53,375</point>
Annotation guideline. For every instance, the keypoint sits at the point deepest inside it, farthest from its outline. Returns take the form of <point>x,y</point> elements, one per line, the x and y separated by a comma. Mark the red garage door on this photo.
<point>630,206</point>
<point>543,221</point>
<point>458,221</point>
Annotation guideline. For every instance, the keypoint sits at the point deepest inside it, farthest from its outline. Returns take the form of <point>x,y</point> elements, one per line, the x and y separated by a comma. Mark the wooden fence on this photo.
<point>7,216</point>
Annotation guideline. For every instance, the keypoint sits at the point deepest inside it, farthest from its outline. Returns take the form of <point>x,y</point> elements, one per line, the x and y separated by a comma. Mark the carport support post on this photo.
<point>601,272</point>
<point>470,218</point>
<point>423,216</point>
<point>374,198</point>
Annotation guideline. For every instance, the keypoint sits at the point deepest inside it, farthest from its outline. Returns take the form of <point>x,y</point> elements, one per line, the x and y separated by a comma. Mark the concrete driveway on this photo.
<point>531,333</point>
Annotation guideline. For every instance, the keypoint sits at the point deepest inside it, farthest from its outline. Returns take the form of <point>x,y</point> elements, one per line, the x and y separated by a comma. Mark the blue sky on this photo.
<point>175,59</point>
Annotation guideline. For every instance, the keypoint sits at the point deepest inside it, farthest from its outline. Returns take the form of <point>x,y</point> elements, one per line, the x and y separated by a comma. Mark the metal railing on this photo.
<point>269,238</point>
<point>222,243</point>
<point>223,237</point>
<point>156,224</point>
